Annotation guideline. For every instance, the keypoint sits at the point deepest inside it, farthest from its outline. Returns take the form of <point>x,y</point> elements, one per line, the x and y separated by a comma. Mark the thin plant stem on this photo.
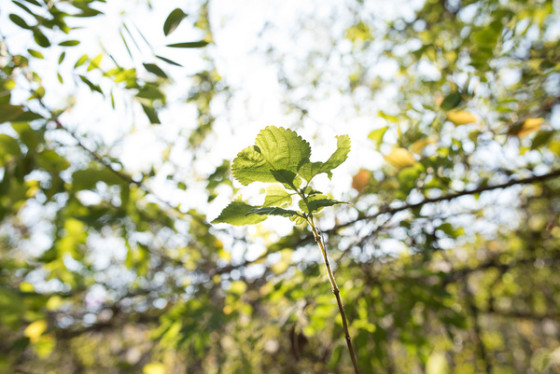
<point>336,291</point>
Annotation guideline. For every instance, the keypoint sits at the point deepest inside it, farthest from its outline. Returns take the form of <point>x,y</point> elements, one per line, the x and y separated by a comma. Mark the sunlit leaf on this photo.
<point>377,136</point>
<point>35,53</point>
<point>273,211</point>
<point>35,329</point>
<point>460,117</point>
<point>311,169</point>
<point>276,195</point>
<point>529,126</point>
<point>154,368</point>
<point>275,148</point>
<point>239,213</point>
<point>69,43</point>
<point>400,158</point>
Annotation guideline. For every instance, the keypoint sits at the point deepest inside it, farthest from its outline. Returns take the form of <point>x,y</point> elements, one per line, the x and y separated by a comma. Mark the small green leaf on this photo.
<point>69,43</point>
<point>198,44</point>
<point>277,150</point>
<point>239,213</point>
<point>317,202</point>
<point>311,169</point>
<point>94,64</point>
<point>35,53</point>
<point>171,62</point>
<point>40,38</point>
<point>51,161</point>
<point>154,69</point>
<point>377,136</point>
<point>173,20</point>
<point>541,139</point>
<point>81,61</point>
<point>151,114</point>
<point>150,92</point>
<point>274,211</point>
<point>19,21</point>
<point>61,57</point>
<point>276,195</point>
<point>451,101</point>
<point>91,85</point>
<point>27,135</point>
<point>9,112</point>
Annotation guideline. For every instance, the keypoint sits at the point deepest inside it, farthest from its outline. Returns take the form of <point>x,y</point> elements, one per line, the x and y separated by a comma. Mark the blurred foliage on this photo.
<point>446,256</point>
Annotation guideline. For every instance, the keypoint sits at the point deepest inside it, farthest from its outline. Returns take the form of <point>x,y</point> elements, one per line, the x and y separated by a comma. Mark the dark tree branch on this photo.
<point>474,191</point>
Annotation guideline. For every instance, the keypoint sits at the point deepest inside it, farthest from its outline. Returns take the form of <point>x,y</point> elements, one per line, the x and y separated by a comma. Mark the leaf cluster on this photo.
<point>280,156</point>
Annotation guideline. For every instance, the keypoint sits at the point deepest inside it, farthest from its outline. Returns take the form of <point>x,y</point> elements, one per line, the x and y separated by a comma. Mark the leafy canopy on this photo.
<point>280,155</point>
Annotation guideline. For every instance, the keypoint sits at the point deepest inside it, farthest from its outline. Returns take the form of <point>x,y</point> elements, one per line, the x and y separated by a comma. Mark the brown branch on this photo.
<point>474,191</point>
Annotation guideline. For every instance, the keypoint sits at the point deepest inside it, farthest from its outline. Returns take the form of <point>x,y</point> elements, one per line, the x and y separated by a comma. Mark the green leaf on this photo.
<point>86,179</point>
<point>451,101</point>
<point>154,69</point>
<point>51,161</point>
<point>35,53</point>
<point>239,213</point>
<point>94,64</point>
<point>151,114</point>
<point>19,21</point>
<point>150,92</point>
<point>9,145</point>
<point>317,202</point>
<point>275,149</point>
<point>276,195</point>
<point>311,169</point>
<point>91,85</point>
<point>27,135</point>
<point>9,112</point>
<point>542,138</point>
<point>40,38</point>
<point>173,20</point>
<point>69,43</point>
<point>171,62</point>
<point>377,136</point>
<point>274,211</point>
<point>61,57</point>
<point>81,61</point>
<point>198,44</point>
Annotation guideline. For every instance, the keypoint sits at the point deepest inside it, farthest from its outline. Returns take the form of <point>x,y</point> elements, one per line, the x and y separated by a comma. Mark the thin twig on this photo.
<point>474,191</point>
<point>336,291</point>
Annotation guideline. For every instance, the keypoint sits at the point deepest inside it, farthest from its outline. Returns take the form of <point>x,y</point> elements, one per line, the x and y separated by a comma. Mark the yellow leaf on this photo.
<point>530,125</point>
<point>35,330</point>
<point>361,179</point>
<point>400,158</point>
<point>461,117</point>
<point>154,368</point>
<point>419,145</point>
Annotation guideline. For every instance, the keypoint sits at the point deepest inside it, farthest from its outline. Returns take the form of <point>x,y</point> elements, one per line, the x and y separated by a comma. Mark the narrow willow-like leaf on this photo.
<point>276,150</point>
<point>274,211</point>
<point>276,195</point>
<point>239,213</point>
<point>199,44</point>
<point>154,69</point>
<point>311,169</point>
